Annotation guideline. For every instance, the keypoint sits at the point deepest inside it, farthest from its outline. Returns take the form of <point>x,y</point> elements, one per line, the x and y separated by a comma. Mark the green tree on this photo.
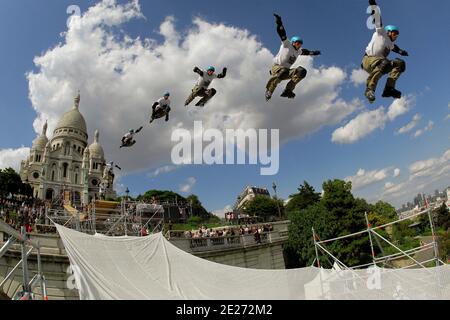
<point>263,207</point>
<point>197,207</point>
<point>195,221</point>
<point>300,249</point>
<point>161,196</point>
<point>305,197</point>
<point>381,213</point>
<point>338,213</point>
<point>443,217</point>
<point>444,246</point>
<point>11,183</point>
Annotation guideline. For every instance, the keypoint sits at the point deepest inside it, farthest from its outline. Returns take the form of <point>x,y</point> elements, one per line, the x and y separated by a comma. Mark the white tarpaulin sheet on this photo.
<point>152,268</point>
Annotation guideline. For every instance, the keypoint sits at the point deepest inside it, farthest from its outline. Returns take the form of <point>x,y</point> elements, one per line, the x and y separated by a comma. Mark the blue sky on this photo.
<point>30,28</point>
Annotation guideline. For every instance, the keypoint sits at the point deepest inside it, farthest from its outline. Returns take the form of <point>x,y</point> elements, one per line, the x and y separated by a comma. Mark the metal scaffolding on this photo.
<point>383,259</point>
<point>25,244</point>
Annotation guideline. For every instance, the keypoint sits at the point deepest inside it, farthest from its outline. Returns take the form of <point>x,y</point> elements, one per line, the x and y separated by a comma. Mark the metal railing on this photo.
<point>25,242</point>
<point>228,241</point>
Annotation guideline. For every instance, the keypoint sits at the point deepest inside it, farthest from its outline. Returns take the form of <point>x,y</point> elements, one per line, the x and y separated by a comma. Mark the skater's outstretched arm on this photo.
<point>138,130</point>
<point>223,74</point>
<point>197,70</point>
<point>400,51</point>
<point>306,52</point>
<point>378,22</point>
<point>280,28</point>
<point>155,105</point>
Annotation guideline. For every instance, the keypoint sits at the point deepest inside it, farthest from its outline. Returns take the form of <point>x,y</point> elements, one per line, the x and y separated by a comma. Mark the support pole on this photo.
<point>40,274</point>
<point>24,261</point>
<point>435,244</point>
<point>369,228</point>
<point>315,247</point>
<point>13,270</point>
<point>405,253</point>
<point>94,219</point>
<point>7,245</point>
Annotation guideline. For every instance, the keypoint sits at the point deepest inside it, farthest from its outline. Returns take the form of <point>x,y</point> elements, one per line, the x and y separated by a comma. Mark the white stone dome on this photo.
<point>73,118</point>
<point>96,149</point>
<point>40,142</point>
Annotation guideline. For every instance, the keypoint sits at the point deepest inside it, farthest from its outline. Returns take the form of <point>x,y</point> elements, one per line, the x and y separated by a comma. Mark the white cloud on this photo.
<point>396,172</point>
<point>368,121</point>
<point>162,170</point>
<point>359,76</point>
<point>221,213</point>
<point>420,132</point>
<point>119,78</point>
<point>361,126</point>
<point>11,158</point>
<point>399,107</point>
<point>365,178</point>
<point>410,125</point>
<point>424,176</point>
<point>388,185</point>
<point>188,185</point>
<point>448,116</point>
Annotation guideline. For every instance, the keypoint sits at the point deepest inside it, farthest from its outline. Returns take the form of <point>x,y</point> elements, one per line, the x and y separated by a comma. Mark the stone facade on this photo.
<point>248,195</point>
<point>65,165</point>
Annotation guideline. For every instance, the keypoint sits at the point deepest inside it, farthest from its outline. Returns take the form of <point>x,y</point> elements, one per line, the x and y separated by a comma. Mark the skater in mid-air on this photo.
<point>161,108</point>
<point>201,88</point>
<point>376,63</point>
<point>110,166</point>
<point>290,50</point>
<point>128,138</point>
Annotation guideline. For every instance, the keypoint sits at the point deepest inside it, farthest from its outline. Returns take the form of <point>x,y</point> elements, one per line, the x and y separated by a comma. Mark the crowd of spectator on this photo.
<point>26,213</point>
<point>204,232</point>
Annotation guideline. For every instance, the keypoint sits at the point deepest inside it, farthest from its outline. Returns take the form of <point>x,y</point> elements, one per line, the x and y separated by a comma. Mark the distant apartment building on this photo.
<point>248,194</point>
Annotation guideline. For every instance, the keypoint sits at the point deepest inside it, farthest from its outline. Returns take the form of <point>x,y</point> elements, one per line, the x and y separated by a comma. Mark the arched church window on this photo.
<point>53,172</point>
<point>65,165</point>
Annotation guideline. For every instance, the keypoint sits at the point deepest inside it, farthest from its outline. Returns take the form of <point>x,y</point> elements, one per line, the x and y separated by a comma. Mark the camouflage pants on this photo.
<point>197,92</point>
<point>280,73</point>
<point>378,66</point>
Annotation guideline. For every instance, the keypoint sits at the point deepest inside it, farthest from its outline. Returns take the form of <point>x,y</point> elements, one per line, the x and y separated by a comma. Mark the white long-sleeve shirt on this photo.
<point>380,45</point>
<point>287,55</point>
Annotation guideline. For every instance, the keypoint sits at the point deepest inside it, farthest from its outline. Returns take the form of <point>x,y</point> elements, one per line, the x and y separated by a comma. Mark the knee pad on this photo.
<point>385,66</point>
<point>282,73</point>
<point>212,92</point>
<point>301,72</point>
<point>400,64</point>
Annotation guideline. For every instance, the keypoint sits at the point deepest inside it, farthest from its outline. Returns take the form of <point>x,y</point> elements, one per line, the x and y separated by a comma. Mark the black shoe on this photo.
<point>391,92</point>
<point>268,95</point>
<point>288,94</point>
<point>370,95</point>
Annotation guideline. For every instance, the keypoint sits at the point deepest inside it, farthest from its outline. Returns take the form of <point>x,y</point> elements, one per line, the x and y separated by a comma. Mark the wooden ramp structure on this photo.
<point>106,209</point>
<point>75,213</point>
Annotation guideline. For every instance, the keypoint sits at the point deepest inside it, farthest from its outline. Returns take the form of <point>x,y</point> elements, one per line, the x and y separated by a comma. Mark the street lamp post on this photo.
<point>127,192</point>
<point>274,186</point>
